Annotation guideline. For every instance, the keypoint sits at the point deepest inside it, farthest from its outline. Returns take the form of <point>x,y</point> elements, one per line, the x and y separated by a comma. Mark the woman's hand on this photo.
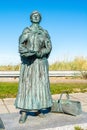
<point>38,54</point>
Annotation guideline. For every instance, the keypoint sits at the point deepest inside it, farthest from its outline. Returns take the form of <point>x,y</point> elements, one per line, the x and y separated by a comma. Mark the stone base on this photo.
<point>50,122</point>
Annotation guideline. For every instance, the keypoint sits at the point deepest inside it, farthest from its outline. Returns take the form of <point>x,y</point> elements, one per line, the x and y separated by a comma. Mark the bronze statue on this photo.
<point>34,87</point>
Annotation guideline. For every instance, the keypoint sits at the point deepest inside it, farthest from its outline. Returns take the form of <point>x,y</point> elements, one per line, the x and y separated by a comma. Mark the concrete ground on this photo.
<point>53,121</point>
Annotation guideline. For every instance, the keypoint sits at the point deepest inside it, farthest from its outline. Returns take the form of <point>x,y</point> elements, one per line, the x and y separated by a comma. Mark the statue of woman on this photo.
<point>34,87</point>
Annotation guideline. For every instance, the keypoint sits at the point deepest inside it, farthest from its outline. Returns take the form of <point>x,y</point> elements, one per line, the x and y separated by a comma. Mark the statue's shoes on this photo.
<point>23,118</point>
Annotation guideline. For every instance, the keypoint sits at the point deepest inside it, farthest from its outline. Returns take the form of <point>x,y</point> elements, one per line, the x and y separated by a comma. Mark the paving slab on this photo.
<point>51,121</point>
<point>1,102</point>
<point>9,101</point>
<point>3,109</point>
<point>12,109</point>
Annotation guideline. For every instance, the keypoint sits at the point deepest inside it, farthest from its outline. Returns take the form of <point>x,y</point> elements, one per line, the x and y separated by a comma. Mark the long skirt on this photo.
<point>34,87</point>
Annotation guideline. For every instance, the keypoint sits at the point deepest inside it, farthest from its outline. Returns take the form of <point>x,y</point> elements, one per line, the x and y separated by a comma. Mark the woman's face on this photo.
<point>35,18</point>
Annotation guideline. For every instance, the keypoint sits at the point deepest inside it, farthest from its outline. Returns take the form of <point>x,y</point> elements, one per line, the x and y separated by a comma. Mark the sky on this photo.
<point>65,20</point>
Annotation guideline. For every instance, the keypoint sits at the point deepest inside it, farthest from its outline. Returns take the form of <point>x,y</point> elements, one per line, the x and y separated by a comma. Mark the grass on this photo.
<point>78,128</point>
<point>9,89</point>
<point>70,87</point>
<point>78,63</point>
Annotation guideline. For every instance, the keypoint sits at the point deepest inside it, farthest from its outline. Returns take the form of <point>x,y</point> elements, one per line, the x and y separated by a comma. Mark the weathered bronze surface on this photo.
<point>34,48</point>
<point>1,125</point>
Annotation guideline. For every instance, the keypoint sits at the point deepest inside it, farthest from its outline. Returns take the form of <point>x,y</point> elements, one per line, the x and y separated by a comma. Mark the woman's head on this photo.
<point>35,17</point>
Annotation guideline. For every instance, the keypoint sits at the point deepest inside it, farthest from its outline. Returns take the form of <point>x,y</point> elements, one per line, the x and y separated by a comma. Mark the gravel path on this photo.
<point>52,80</point>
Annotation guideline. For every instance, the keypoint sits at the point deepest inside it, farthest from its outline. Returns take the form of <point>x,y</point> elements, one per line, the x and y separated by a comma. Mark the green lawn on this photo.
<point>70,87</point>
<point>9,90</point>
